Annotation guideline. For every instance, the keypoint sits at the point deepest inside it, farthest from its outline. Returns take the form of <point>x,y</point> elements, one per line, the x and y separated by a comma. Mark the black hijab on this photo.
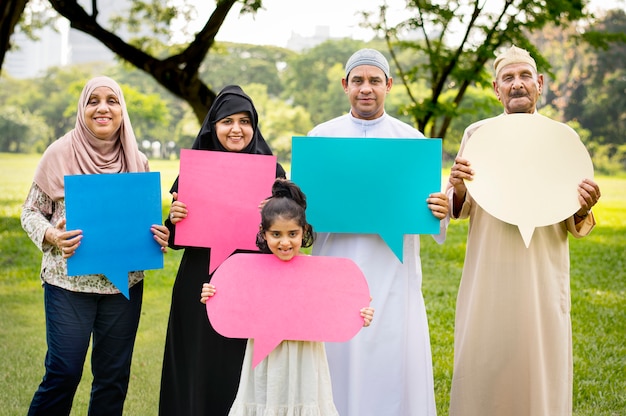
<point>231,100</point>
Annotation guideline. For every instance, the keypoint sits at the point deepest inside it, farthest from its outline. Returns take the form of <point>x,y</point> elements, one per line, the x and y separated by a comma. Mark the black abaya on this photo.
<point>201,368</point>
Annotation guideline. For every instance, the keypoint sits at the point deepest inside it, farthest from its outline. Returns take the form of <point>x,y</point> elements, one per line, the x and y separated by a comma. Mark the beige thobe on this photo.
<point>513,339</point>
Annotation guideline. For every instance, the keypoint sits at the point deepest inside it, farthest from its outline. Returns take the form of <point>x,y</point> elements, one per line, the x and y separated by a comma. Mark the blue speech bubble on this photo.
<point>369,186</point>
<point>115,212</point>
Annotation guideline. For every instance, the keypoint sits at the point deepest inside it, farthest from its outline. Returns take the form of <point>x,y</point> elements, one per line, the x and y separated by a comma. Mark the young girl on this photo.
<point>294,378</point>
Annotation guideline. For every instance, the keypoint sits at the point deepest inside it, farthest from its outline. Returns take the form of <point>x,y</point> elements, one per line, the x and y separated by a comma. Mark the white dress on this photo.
<point>293,380</point>
<point>385,370</point>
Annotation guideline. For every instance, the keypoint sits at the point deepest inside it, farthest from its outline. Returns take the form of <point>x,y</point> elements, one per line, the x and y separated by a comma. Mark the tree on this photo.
<point>598,100</point>
<point>313,78</point>
<point>253,64</point>
<point>10,13</point>
<point>278,121</point>
<point>178,72</point>
<point>149,116</point>
<point>20,130</point>
<point>450,65</point>
<point>48,108</point>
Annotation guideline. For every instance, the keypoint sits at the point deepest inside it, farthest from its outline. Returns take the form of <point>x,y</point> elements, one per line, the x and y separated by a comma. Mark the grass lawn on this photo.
<point>598,280</point>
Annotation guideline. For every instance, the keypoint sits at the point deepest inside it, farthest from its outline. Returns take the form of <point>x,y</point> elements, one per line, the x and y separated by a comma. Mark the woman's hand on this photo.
<point>161,235</point>
<point>178,210</point>
<point>66,241</point>
<point>208,290</point>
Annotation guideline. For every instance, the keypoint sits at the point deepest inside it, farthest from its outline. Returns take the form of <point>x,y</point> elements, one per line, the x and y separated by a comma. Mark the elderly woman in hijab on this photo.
<point>80,307</point>
<point>201,368</point>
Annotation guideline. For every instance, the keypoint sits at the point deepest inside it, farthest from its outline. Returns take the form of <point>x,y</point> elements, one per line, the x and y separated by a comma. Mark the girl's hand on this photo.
<point>208,290</point>
<point>367,314</point>
<point>178,210</point>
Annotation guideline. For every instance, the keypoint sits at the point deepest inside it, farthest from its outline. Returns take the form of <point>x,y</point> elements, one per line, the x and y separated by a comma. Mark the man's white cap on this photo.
<point>367,57</point>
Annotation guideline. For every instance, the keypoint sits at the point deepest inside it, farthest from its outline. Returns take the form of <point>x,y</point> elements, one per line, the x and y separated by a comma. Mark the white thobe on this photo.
<point>386,369</point>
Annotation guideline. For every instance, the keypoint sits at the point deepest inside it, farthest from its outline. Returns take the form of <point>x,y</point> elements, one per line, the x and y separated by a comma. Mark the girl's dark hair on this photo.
<point>289,202</point>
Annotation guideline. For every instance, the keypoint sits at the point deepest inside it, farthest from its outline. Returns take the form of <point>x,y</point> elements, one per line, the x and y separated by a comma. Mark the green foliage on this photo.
<point>608,158</point>
<point>278,121</point>
<point>478,103</point>
<point>253,64</point>
<point>48,108</point>
<point>589,79</point>
<point>457,39</point>
<point>313,79</point>
<point>149,116</point>
<point>20,130</point>
<point>442,78</point>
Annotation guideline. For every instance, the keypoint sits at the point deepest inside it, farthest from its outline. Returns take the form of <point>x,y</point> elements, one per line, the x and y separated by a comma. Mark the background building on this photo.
<point>63,46</point>
<point>67,46</point>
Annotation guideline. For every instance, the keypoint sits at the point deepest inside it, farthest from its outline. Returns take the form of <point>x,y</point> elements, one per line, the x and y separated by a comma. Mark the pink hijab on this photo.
<point>80,152</point>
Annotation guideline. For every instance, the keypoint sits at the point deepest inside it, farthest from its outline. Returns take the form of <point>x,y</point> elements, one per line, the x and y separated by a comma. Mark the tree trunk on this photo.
<point>11,11</point>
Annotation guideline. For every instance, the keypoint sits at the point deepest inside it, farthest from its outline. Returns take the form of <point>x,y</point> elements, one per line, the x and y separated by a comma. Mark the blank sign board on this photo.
<point>527,170</point>
<point>369,186</point>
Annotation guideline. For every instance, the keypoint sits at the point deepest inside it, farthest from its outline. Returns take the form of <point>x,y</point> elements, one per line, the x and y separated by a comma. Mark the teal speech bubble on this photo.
<point>369,186</point>
<point>115,212</point>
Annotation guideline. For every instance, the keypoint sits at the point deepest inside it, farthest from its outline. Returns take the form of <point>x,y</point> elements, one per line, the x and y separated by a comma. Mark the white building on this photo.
<point>299,43</point>
<point>31,58</point>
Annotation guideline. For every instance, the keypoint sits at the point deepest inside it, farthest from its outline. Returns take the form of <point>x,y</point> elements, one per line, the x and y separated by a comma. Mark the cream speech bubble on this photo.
<point>526,170</point>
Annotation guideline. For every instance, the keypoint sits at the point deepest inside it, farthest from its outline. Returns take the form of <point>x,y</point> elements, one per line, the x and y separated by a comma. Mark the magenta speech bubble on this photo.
<point>222,191</point>
<point>309,298</point>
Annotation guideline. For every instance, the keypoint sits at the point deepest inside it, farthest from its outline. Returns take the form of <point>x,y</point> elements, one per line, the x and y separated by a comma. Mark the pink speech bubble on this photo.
<point>222,191</point>
<point>309,298</point>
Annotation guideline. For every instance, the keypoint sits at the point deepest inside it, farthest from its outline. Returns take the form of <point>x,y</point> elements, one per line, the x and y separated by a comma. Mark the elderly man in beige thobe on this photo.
<point>513,339</point>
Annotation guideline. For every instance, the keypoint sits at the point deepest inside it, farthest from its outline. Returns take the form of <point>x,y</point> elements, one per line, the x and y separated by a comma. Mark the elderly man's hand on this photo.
<point>460,172</point>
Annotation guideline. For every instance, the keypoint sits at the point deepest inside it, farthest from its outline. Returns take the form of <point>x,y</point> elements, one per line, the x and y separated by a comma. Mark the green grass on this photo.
<point>598,305</point>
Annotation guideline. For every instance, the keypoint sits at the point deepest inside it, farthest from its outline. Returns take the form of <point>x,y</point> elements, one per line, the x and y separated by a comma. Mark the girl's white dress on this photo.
<point>293,380</point>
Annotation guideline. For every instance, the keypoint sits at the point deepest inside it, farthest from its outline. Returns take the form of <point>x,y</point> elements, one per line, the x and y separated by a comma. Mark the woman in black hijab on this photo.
<point>201,368</point>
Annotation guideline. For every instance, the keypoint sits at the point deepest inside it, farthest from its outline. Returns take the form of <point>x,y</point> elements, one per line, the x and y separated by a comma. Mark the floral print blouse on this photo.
<point>40,212</point>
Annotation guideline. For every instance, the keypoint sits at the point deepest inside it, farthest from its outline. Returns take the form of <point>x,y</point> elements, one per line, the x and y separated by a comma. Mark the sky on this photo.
<point>275,23</point>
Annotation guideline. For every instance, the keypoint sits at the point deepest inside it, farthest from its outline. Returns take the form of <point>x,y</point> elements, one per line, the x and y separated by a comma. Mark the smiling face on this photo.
<point>235,131</point>
<point>518,87</point>
<point>103,113</point>
<point>284,238</point>
<point>367,88</point>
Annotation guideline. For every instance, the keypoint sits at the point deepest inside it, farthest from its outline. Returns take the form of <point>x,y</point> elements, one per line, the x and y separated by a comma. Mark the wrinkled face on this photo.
<point>518,87</point>
<point>284,238</point>
<point>235,131</point>
<point>367,88</point>
<point>103,113</point>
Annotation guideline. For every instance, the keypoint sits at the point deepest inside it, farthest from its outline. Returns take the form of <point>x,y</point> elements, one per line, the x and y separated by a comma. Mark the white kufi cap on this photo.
<point>367,57</point>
